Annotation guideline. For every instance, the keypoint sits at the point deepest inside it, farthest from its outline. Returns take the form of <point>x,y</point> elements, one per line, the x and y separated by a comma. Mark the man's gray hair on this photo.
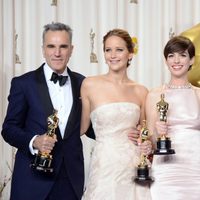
<point>57,26</point>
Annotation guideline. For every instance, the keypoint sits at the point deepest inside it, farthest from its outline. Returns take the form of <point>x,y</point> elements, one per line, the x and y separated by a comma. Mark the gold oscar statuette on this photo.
<point>143,167</point>
<point>163,142</point>
<point>43,160</point>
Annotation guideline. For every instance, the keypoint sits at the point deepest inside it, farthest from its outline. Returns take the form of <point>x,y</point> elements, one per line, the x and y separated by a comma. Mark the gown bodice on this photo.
<point>114,119</point>
<point>184,109</point>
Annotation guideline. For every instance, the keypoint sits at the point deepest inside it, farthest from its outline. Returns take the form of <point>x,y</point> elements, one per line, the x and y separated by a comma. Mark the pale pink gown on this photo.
<point>115,157</point>
<point>177,177</point>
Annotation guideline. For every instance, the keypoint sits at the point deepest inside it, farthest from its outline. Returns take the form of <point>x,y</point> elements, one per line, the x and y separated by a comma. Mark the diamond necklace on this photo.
<point>186,86</point>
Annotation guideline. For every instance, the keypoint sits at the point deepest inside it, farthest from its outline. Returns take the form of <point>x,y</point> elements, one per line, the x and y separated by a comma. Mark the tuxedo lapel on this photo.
<point>75,113</point>
<point>44,95</point>
<point>43,91</point>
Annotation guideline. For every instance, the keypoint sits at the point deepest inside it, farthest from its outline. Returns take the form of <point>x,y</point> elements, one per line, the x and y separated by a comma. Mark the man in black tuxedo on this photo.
<point>33,97</point>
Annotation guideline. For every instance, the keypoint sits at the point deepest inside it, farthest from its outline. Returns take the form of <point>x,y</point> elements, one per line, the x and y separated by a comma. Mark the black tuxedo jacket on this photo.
<point>28,109</point>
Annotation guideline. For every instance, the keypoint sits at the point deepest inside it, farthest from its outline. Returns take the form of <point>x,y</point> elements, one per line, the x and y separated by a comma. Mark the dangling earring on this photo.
<point>129,61</point>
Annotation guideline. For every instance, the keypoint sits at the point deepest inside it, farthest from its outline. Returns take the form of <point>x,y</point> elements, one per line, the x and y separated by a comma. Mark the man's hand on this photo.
<point>44,143</point>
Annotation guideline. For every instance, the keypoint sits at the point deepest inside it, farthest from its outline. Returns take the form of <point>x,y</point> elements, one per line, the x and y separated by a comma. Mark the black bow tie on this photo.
<point>62,79</point>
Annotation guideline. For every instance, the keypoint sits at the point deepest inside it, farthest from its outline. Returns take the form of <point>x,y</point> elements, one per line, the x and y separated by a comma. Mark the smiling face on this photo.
<point>57,50</point>
<point>179,63</point>
<point>179,53</point>
<point>116,53</point>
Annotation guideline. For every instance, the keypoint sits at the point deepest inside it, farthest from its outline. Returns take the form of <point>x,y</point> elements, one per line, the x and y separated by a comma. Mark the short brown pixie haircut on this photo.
<point>179,44</point>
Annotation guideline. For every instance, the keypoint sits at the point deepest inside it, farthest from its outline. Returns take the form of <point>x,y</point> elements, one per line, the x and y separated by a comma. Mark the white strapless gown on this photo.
<point>177,177</point>
<point>114,157</point>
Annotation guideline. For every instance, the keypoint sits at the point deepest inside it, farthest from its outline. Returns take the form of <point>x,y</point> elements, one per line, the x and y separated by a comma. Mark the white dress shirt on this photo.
<point>61,98</point>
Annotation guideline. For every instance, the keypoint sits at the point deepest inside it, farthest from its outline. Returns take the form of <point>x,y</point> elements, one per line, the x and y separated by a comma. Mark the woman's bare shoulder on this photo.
<point>139,87</point>
<point>155,92</point>
<point>156,89</point>
<point>92,80</point>
<point>196,88</point>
